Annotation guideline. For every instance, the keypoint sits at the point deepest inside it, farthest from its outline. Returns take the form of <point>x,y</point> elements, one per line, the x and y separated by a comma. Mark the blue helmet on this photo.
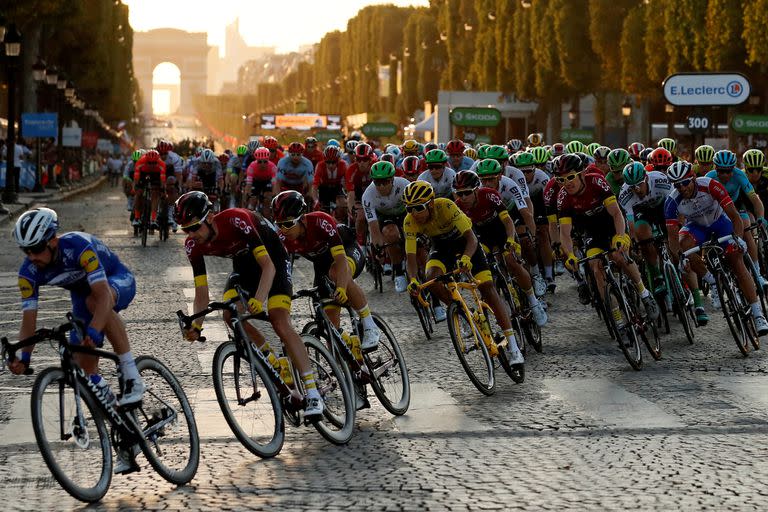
<point>332,142</point>
<point>724,159</point>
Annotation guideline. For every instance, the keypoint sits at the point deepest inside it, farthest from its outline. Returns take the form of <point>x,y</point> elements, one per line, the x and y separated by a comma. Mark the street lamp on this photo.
<point>38,70</point>
<point>51,76</point>
<point>38,74</point>
<point>12,43</point>
<point>626,114</point>
<point>669,111</point>
<point>572,114</point>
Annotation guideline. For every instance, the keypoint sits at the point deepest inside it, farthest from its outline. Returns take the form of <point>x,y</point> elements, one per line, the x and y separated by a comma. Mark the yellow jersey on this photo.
<point>446,224</point>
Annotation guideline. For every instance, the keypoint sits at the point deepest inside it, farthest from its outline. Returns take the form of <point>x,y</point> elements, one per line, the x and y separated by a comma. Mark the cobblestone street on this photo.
<point>583,431</point>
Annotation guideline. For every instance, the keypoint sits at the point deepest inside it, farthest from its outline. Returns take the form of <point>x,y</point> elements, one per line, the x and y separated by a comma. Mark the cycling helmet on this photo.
<point>753,159</point>
<point>136,155</point>
<point>332,142</point>
<point>482,151</point>
<point>382,170</point>
<point>668,144</point>
<point>679,171</point>
<point>394,151</point>
<point>388,157</point>
<point>724,159</point>
<point>591,148</point>
<point>429,146</point>
<point>471,153</point>
<point>35,227</point>
<point>261,154</point>
<point>585,159</point>
<point>191,208</point>
<point>634,150</point>
<point>601,153</point>
<point>418,192</point>
<point>207,157</point>
<point>223,159</point>
<point>497,153</point>
<point>660,157</point>
<point>198,151</point>
<point>524,159</point>
<point>411,165</point>
<point>332,153</point>
<point>455,147</point>
<point>436,156</point>
<point>296,147</point>
<point>569,163</point>
<point>634,173</point>
<point>575,146</point>
<point>153,156</point>
<point>558,148</point>
<point>488,167</point>
<point>465,180</point>
<point>356,135</point>
<point>618,159</point>
<point>644,154</point>
<point>253,145</point>
<point>363,151</point>
<point>704,154</point>
<point>310,141</point>
<point>410,147</point>
<point>242,150</point>
<point>164,146</point>
<point>540,155</point>
<point>535,139</point>
<point>288,205</point>
<point>270,142</point>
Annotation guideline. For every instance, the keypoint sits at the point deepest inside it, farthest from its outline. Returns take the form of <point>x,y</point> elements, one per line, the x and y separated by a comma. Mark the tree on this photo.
<point>634,79</point>
<point>755,34</point>
<point>604,31</point>
<point>724,26</point>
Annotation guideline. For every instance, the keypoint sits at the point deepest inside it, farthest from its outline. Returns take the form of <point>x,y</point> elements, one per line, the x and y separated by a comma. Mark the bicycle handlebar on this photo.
<point>709,243</point>
<point>8,350</point>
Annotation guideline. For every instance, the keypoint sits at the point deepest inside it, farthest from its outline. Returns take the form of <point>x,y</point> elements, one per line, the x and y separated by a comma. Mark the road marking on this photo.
<point>434,410</point>
<point>18,429</point>
<point>179,274</point>
<point>208,416</point>
<point>609,402</point>
<point>753,388</point>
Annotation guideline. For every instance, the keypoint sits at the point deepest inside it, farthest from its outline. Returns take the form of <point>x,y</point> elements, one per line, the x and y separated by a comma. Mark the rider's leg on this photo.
<point>491,296</point>
<point>155,202</point>
<point>545,250</point>
<point>522,277</point>
<point>392,236</point>
<point>361,225</point>
<point>138,204</point>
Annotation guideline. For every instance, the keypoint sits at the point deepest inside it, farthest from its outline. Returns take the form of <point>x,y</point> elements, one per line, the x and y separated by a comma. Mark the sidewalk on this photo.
<point>27,199</point>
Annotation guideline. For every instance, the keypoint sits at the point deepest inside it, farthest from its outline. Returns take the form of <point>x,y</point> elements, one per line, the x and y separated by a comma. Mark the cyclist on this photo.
<point>349,151</point>
<point>437,174</point>
<point>535,140</point>
<point>128,178</point>
<point>585,202</point>
<point>514,145</point>
<point>708,211</point>
<point>411,166</point>
<point>454,246</point>
<point>458,161</point>
<point>253,145</point>
<point>618,160</point>
<point>704,155</point>
<point>262,264</point>
<point>294,172</point>
<point>600,154</point>
<point>311,152</point>
<point>384,212</point>
<point>235,177</point>
<point>753,162</point>
<point>659,159</point>
<point>207,174</point>
<point>471,153</point>
<point>333,252</point>
<point>275,151</point>
<point>148,171</point>
<point>357,179</point>
<point>329,182</point>
<point>670,145</point>
<point>495,230</point>
<point>259,180</point>
<point>635,149</point>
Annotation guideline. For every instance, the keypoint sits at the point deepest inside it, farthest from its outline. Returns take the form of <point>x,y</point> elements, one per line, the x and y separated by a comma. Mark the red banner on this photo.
<point>89,139</point>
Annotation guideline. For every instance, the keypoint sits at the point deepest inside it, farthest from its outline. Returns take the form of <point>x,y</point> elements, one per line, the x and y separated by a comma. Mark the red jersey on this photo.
<point>486,209</point>
<point>330,178</point>
<point>257,172</point>
<point>278,154</point>
<point>592,169</point>
<point>320,234</point>
<point>357,180</point>
<point>144,165</point>
<point>551,191</point>
<point>315,156</point>
<point>590,203</point>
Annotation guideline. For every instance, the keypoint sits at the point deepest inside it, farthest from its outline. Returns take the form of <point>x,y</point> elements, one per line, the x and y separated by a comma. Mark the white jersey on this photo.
<point>659,189</point>
<point>517,175</point>
<point>391,205</point>
<point>537,184</point>
<point>173,159</point>
<point>511,194</point>
<point>444,186</point>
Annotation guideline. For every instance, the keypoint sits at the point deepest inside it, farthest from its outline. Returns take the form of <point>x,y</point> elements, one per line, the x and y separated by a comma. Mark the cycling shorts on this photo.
<point>153,178</point>
<point>122,283</point>
<point>701,234</point>
<point>259,187</point>
<point>327,194</point>
<point>444,257</point>
<point>250,274</point>
<point>355,261</point>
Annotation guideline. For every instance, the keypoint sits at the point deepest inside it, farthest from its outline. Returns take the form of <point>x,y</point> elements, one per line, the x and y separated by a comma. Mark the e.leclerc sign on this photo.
<point>701,89</point>
<point>474,116</point>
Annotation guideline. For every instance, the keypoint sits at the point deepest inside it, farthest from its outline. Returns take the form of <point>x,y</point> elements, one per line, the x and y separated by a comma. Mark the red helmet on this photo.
<point>411,165</point>
<point>465,180</point>
<point>296,147</point>
<point>455,147</point>
<point>152,156</point>
<point>223,159</point>
<point>635,149</point>
<point>191,208</point>
<point>558,148</point>
<point>164,146</point>
<point>288,205</point>
<point>363,151</point>
<point>332,153</point>
<point>270,142</point>
<point>660,157</point>
<point>261,154</point>
<point>569,163</point>
<point>387,157</point>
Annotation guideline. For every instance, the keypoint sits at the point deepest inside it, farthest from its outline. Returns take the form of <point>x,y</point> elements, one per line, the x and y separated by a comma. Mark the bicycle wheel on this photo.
<point>249,401</point>
<point>339,413</point>
<point>731,306</point>
<point>472,352</point>
<point>517,372</point>
<point>390,382</point>
<point>622,328</point>
<point>75,447</point>
<point>644,327</point>
<point>531,330</point>
<point>679,300</point>
<point>756,278</point>
<point>424,317</point>
<point>165,417</point>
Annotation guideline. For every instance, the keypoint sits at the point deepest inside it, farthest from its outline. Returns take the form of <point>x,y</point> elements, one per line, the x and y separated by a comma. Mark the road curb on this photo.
<point>25,203</point>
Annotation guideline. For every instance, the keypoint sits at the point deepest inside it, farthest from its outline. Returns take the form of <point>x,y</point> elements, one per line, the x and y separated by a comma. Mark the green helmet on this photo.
<point>704,154</point>
<point>618,159</point>
<point>575,146</point>
<point>753,158</point>
<point>482,151</point>
<point>382,170</point>
<point>498,153</point>
<point>242,150</point>
<point>526,159</point>
<point>668,144</point>
<point>488,167</point>
<point>634,173</point>
<point>136,155</point>
<point>540,155</point>
<point>591,148</point>
<point>436,156</point>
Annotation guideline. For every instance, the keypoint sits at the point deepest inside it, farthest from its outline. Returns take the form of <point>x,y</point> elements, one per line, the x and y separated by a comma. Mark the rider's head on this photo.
<point>191,212</point>
<point>35,234</point>
<point>383,174</point>
<point>419,198</point>
<point>465,186</point>
<point>288,207</point>
<point>681,175</point>
<point>568,173</point>
<point>296,151</point>
<point>435,160</point>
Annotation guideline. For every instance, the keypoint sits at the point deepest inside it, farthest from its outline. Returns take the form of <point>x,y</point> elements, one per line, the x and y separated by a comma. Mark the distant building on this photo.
<point>271,69</point>
<point>223,70</point>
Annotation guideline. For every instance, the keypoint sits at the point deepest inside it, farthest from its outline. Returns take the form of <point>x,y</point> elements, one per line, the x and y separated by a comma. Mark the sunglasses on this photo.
<point>417,208</point>
<point>192,228</point>
<point>262,161</point>
<point>464,193</point>
<point>528,170</point>
<point>723,170</point>
<point>435,166</point>
<point>331,162</point>
<point>754,170</point>
<point>382,183</point>
<point>683,183</point>
<point>287,224</point>
<point>568,178</point>
<point>295,154</point>
<point>35,249</point>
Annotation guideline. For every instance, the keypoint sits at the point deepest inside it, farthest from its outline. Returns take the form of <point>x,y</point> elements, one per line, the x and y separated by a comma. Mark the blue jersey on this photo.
<point>465,165</point>
<point>736,185</point>
<point>80,261</point>
<point>294,174</point>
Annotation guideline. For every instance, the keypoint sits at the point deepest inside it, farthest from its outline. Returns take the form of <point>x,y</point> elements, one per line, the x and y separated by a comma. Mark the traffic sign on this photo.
<point>750,123</point>
<point>39,124</point>
<point>475,116</point>
<point>699,89</point>
<point>379,129</point>
<point>698,123</point>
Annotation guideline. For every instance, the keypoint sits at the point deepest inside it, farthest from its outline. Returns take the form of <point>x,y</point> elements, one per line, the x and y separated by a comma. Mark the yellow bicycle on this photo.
<point>476,336</point>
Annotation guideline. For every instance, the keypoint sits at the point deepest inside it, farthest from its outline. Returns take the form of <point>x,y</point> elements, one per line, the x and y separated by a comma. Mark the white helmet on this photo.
<point>351,145</point>
<point>678,171</point>
<point>207,156</point>
<point>35,227</point>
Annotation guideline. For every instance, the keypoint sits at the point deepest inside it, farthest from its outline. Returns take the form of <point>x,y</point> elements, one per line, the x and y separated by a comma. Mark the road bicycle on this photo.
<point>71,416</point>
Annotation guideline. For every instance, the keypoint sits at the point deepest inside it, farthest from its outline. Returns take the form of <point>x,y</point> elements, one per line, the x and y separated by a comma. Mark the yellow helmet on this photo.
<point>410,147</point>
<point>418,192</point>
<point>471,153</point>
<point>535,139</point>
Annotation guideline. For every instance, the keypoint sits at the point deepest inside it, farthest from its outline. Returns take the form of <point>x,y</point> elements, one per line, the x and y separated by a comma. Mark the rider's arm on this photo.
<point>757,203</point>
<point>28,325</point>
<point>565,234</point>
<point>527,214</point>
<point>343,275</point>
<point>733,214</point>
<point>267,273</point>
<point>612,207</point>
<point>509,225</point>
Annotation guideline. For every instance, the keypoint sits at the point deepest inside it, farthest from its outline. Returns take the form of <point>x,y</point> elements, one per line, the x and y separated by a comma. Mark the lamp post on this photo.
<point>38,74</point>
<point>572,117</point>
<point>626,114</point>
<point>669,111</point>
<point>12,43</point>
<point>51,79</point>
<point>61,85</point>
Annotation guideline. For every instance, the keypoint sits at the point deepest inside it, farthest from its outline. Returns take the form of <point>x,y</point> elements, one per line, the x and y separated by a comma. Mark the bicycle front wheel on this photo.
<point>75,444</point>
<point>249,401</point>
<point>172,443</point>
<point>680,301</point>
<point>424,317</point>
<point>731,305</point>
<point>390,382</point>
<point>472,352</point>
<point>622,329</point>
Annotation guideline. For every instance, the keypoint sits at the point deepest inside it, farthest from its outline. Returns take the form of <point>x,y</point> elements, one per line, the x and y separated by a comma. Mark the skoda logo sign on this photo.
<point>458,116</point>
<point>738,123</point>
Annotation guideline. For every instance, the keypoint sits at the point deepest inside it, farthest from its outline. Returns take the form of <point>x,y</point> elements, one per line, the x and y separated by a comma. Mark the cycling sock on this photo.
<point>309,384</point>
<point>128,366</point>
<point>548,271</point>
<point>510,335</point>
<point>757,309</point>
<point>709,278</point>
<point>154,215</point>
<point>645,293</point>
<point>698,298</point>
<point>366,318</point>
<point>641,289</point>
<point>136,214</point>
<point>534,270</point>
<point>532,300</point>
